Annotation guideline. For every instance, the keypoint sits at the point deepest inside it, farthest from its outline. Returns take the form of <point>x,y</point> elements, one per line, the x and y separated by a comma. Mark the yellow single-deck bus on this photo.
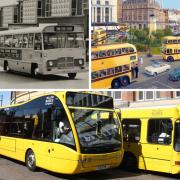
<point>111,65</point>
<point>152,138</point>
<point>171,48</point>
<point>48,49</point>
<point>64,132</point>
<point>99,37</point>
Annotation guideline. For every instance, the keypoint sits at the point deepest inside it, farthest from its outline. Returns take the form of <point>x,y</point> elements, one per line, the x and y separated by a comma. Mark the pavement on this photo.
<point>13,80</point>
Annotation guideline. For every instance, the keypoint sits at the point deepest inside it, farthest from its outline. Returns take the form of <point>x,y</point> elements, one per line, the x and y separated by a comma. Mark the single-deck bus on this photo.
<point>48,49</point>
<point>64,132</point>
<point>171,48</point>
<point>152,138</point>
<point>111,65</point>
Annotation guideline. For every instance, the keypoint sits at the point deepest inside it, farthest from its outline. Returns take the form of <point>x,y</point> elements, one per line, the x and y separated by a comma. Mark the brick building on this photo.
<point>142,14</point>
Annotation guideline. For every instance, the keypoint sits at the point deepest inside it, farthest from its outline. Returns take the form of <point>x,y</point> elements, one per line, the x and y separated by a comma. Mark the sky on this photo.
<point>5,95</point>
<point>172,4</point>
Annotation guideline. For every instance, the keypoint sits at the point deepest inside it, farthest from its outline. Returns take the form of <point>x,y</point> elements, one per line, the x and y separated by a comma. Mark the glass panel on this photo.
<point>8,41</point>
<point>38,42</point>
<point>177,137</point>
<point>159,131</point>
<point>17,41</point>
<point>31,40</point>
<point>98,131</point>
<point>131,130</point>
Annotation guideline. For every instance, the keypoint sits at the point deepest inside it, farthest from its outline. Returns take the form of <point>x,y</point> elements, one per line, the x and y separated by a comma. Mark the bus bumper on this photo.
<point>63,71</point>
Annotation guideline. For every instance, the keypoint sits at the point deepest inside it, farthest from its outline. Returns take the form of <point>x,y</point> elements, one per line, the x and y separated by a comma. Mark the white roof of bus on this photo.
<point>25,30</point>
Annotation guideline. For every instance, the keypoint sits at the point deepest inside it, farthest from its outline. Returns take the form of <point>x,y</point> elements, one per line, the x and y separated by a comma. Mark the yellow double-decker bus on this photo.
<point>64,132</point>
<point>99,37</point>
<point>111,65</point>
<point>171,48</point>
<point>152,138</point>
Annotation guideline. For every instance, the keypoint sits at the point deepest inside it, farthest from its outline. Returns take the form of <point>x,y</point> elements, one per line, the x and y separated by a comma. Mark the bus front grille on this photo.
<point>65,62</point>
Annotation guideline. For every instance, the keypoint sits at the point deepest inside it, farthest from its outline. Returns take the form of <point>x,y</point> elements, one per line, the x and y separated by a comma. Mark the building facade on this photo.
<point>106,11</point>
<point>140,14</point>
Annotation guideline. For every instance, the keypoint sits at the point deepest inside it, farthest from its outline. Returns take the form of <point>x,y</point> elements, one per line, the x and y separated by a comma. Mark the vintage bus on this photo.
<point>171,48</point>
<point>111,65</point>
<point>152,138</point>
<point>99,37</point>
<point>64,132</point>
<point>47,49</point>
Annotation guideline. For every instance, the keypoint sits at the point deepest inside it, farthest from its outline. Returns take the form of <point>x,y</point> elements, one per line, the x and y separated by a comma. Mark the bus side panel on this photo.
<point>8,144</point>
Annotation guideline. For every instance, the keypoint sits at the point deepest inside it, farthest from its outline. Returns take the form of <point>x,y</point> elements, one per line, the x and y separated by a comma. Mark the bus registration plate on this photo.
<point>102,167</point>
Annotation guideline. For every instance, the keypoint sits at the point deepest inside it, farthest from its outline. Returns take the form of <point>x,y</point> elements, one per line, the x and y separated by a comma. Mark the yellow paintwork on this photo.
<point>111,62</point>
<point>154,157</point>
<point>99,36</point>
<point>56,157</point>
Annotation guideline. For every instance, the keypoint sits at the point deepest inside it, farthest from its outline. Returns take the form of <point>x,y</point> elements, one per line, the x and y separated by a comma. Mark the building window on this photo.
<point>48,8</point>
<point>177,94</point>
<point>149,95</point>
<point>39,8</point>
<point>158,95</point>
<point>140,96</point>
<point>15,15</point>
<point>109,93</point>
<point>117,95</point>
<point>98,2</point>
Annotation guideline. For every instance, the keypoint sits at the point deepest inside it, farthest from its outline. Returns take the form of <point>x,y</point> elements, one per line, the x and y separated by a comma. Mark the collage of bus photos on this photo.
<point>89,89</point>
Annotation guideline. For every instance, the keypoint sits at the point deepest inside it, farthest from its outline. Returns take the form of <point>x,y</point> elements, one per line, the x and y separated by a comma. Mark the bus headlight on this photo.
<point>50,63</point>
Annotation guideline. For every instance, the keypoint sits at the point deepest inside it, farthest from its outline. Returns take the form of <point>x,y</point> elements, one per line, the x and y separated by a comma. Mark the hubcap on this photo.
<point>31,160</point>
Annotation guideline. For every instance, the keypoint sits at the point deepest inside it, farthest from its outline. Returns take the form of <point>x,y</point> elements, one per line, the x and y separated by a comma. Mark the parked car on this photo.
<point>157,68</point>
<point>174,75</point>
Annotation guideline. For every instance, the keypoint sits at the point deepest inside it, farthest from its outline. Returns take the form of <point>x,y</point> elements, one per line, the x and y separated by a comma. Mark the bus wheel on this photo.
<point>170,59</point>
<point>124,81</point>
<point>129,162</point>
<point>31,160</point>
<point>34,70</point>
<point>72,75</point>
<point>116,84</point>
<point>6,66</point>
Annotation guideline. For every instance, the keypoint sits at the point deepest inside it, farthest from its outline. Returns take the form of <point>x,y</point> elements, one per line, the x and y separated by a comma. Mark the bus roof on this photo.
<point>41,28</point>
<point>151,112</point>
<point>112,46</point>
<point>171,37</point>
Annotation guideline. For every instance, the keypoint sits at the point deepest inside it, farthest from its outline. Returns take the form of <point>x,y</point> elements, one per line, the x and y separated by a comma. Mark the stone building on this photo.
<point>142,14</point>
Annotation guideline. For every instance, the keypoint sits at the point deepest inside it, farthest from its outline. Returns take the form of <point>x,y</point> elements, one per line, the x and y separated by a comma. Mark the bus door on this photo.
<point>36,55</point>
<point>131,137</point>
<point>158,150</point>
<point>63,139</point>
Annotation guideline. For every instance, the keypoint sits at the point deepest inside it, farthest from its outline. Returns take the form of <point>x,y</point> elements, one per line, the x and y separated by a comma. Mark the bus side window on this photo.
<point>8,41</point>
<point>25,41</point>
<point>38,42</point>
<point>31,40</point>
<point>159,131</point>
<point>131,130</point>
<point>1,41</point>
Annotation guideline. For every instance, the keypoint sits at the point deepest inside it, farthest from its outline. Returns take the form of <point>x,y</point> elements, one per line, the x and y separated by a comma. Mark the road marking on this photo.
<point>162,84</point>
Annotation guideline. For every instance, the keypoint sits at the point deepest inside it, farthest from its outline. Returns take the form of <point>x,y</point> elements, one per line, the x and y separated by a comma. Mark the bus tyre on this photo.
<point>34,71</point>
<point>124,81</point>
<point>170,59</point>
<point>72,75</point>
<point>116,84</point>
<point>6,66</point>
<point>31,160</point>
<point>129,162</point>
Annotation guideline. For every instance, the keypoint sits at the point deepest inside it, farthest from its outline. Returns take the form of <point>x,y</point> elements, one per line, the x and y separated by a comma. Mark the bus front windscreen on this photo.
<point>177,137</point>
<point>63,40</point>
<point>98,130</point>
